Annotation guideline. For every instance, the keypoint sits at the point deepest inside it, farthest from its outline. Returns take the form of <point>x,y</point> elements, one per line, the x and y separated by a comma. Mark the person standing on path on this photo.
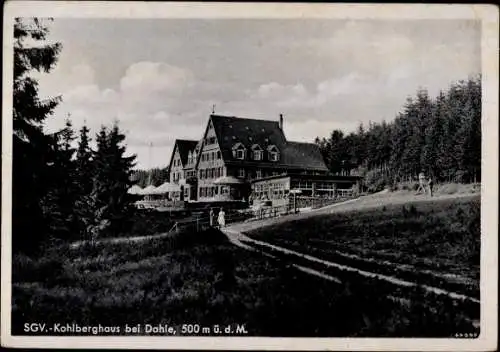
<point>212,216</point>
<point>430,184</point>
<point>222,218</point>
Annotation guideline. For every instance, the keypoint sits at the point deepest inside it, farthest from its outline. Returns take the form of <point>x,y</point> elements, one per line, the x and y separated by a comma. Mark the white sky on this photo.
<point>160,77</point>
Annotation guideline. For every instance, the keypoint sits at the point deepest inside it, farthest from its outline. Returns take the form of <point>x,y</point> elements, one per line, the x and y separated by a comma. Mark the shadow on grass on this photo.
<point>200,278</point>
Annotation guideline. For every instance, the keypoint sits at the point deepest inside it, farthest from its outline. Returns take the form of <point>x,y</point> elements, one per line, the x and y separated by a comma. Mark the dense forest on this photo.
<point>154,177</point>
<point>439,136</point>
<point>60,193</point>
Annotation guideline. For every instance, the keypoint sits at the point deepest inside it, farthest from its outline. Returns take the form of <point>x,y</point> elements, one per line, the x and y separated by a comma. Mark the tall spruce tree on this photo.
<point>84,183</point>
<point>63,224</point>
<point>33,150</point>
<point>84,162</point>
<point>113,170</point>
<point>120,200</point>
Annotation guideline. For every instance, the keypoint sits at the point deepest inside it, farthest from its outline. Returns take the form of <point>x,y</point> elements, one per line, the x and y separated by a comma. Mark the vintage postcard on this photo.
<point>244,176</point>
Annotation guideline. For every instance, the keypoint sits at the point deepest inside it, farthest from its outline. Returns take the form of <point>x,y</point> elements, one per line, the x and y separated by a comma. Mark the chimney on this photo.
<point>281,122</point>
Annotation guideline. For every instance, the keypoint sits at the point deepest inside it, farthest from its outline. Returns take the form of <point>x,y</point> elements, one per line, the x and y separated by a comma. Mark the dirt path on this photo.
<point>236,236</point>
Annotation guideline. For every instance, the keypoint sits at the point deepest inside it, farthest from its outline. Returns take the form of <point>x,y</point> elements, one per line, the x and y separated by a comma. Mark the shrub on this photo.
<point>447,188</point>
<point>29,270</point>
<point>376,181</point>
<point>408,186</point>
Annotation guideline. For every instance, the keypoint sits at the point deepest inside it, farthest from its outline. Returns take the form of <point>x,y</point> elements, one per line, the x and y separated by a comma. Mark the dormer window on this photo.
<point>274,154</point>
<point>239,151</point>
<point>257,152</point>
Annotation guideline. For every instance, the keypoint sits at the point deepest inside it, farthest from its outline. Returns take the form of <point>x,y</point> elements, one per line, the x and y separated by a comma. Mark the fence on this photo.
<point>202,219</point>
<point>318,202</point>
<point>160,203</point>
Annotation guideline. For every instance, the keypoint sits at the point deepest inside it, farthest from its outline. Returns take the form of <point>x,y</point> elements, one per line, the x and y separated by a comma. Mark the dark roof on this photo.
<point>231,130</point>
<point>185,146</point>
<point>307,155</point>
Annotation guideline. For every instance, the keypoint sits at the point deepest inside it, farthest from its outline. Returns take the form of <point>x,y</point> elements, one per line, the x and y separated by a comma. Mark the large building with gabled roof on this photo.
<point>235,152</point>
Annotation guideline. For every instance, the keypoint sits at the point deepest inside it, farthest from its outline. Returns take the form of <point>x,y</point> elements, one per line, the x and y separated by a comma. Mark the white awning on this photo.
<point>149,190</point>
<point>135,189</point>
<point>228,180</point>
<point>166,188</point>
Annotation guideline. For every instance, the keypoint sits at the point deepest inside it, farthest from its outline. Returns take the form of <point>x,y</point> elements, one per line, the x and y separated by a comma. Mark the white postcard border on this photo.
<point>488,14</point>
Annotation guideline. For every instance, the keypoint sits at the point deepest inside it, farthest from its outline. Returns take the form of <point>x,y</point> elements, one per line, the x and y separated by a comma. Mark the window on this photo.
<point>257,152</point>
<point>240,154</point>
<point>239,151</point>
<point>258,174</point>
<point>219,155</point>
<point>273,153</point>
<point>241,173</point>
<point>273,156</point>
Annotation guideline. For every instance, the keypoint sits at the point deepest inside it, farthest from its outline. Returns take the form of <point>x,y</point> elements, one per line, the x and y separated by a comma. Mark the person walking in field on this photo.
<point>430,184</point>
<point>421,183</point>
<point>222,218</point>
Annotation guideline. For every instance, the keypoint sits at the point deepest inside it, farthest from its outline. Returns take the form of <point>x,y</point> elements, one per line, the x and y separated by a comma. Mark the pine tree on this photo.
<point>434,138</point>
<point>98,222</point>
<point>84,183</point>
<point>33,150</point>
<point>441,137</point>
<point>120,201</point>
<point>109,197</point>
<point>63,224</point>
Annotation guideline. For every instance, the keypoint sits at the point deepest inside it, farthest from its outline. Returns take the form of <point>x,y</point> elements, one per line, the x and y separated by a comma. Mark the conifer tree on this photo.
<point>113,170</point>
<point>121,200</point>
<point>440,136</point>
<point>33,150</point>
<point>84,183</point>
<point>84,162</point>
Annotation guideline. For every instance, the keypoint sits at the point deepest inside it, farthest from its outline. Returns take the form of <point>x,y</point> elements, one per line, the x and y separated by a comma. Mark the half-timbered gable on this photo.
<point>179,161</point>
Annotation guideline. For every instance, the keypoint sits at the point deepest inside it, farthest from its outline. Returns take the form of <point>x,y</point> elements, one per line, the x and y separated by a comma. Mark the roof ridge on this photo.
<point>244,118</point>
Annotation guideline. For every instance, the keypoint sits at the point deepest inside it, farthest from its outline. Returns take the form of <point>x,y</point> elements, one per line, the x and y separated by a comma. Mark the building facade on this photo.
<point>236,156</point>
<point>181,167</point>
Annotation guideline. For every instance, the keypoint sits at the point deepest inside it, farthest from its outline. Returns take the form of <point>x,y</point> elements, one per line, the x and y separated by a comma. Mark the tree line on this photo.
<point>60,191</point>
<point>155,177</point>
<point>439,136</point>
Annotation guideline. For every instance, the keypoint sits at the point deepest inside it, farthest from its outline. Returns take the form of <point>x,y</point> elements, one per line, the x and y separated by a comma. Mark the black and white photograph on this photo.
<point>270,176</point>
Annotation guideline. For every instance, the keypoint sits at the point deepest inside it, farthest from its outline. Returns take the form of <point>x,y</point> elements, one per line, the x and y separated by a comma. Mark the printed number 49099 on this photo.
<point>467,335</point>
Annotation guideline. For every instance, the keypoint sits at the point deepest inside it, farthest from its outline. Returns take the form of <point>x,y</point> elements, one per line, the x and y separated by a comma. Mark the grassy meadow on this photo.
<point>201,278</point>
